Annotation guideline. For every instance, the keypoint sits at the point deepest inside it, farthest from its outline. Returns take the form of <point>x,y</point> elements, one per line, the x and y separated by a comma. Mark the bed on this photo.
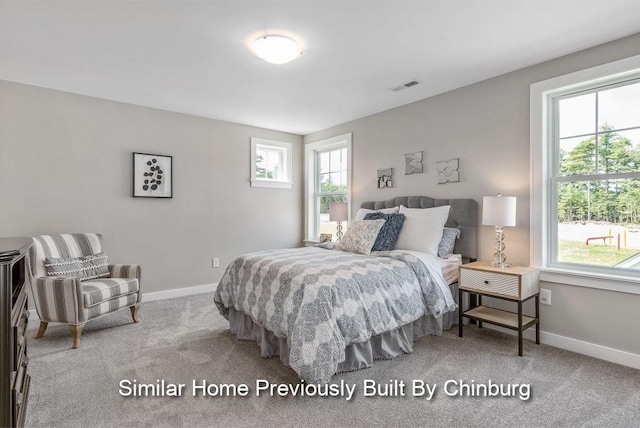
<point>324,311</point>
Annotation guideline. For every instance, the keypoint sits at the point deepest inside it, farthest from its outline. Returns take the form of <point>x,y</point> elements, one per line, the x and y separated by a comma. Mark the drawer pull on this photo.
<point>486,281</point>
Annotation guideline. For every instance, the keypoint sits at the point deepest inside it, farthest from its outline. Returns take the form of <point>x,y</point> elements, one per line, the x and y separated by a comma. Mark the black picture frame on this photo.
<point>152,176</point>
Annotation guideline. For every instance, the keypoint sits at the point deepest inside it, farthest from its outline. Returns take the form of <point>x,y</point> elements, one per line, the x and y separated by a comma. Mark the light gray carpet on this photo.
<point>184,339</point>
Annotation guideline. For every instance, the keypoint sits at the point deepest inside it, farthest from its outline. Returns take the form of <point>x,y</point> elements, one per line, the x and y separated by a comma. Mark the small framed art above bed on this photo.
<point>329,309</point>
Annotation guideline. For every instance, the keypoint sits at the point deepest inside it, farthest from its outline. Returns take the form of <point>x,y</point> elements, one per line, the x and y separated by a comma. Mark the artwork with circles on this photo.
<point>385,178</point>
<point>448,171</point>
<point>152,176</point>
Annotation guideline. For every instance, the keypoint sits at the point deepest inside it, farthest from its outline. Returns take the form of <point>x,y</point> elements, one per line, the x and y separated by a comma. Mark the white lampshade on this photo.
<point>499,210</point>
<point>338,211</point>
<point>276,49</point>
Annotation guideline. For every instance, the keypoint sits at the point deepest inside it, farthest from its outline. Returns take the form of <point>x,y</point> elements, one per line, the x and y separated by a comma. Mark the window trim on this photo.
<point>255,181</point>
<point>311,178</point>
<point>542,95</point>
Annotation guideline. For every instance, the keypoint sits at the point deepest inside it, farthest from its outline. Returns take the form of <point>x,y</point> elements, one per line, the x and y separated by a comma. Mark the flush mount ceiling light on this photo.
<point>276,49</point>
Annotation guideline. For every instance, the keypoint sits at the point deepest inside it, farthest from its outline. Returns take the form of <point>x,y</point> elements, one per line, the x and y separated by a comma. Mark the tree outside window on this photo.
<point>597,179</point>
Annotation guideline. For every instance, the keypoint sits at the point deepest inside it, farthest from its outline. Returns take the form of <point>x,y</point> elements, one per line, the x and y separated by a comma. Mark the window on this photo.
<point>585,197</point>
<point>328,175</point>
<point>271,163</point>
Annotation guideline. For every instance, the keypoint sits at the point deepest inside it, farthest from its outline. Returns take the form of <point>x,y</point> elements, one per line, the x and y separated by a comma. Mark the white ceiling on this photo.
<point>194,57</point>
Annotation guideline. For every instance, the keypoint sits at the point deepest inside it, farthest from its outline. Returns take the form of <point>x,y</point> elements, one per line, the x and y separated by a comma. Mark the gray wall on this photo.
<point>486,125</point>
<point>66,166</point>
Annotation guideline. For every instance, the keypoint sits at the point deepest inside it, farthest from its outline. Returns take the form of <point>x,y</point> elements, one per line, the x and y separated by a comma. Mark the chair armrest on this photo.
<point>127,271</point>
<point>58,299</point>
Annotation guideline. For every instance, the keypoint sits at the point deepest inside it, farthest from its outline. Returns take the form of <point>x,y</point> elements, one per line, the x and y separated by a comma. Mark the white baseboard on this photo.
<point>578,346</point>
<point>178,292</point>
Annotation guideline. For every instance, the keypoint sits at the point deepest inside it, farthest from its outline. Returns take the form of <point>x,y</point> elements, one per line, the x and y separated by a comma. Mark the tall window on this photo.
<point>328,169</point>
<point>586,169</point>
<point>597,177</point>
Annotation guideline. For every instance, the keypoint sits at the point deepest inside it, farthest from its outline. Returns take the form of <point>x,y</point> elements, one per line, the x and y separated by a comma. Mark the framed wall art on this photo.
<point>385,178</point>
<point>152,176</point>
<point>413,163</point>
<point>448,171</point>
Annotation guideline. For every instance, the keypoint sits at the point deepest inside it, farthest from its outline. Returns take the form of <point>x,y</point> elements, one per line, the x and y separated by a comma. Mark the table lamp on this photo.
<point>499,211</point>
<point>338,212</point>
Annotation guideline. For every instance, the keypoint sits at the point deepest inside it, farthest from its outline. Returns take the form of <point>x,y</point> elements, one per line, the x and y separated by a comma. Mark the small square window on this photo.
<point>271,163</point>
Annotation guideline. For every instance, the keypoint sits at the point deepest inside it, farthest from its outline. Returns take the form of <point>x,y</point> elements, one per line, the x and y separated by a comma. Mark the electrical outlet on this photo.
<point>545,297</point>
<point>215,262</point>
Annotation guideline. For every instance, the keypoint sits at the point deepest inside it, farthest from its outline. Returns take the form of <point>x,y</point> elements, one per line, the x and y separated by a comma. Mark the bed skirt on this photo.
<point>358,356</point>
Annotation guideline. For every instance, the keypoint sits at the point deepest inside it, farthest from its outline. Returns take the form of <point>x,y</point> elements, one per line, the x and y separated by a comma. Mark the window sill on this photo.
<point>618,283</point>
<point>274,184</point>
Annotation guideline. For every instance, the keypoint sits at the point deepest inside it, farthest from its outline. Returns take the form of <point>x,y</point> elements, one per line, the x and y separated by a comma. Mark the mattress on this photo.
<point>450,268</point>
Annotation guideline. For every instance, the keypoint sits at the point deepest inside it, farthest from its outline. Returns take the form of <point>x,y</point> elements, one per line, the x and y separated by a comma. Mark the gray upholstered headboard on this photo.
<point>463,215</point>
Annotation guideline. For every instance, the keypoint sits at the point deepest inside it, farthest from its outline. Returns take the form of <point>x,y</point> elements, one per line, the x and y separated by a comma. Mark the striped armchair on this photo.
<point>66,295</point>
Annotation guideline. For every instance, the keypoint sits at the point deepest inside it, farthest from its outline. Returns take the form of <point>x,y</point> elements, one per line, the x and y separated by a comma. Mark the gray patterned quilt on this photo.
<point>323,300</point>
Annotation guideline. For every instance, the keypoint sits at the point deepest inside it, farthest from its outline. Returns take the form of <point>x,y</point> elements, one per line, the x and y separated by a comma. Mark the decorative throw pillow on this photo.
<point>361,236</point>
<point>83,268</point>
<point>448,241</point>
<point>363,211</point>
<point>422,228</point>
<point>389,233</point>
<point>95,266</point>
<point>70,268</point>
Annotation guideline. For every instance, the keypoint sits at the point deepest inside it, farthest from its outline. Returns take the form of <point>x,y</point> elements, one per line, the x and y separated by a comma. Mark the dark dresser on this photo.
<point>14,315</point>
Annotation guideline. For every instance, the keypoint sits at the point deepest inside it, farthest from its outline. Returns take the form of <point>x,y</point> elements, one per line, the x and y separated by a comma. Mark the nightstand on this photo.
<point>515,284</point>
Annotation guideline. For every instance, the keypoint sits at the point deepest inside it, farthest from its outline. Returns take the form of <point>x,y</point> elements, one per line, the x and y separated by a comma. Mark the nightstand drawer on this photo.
<point>489,282</point>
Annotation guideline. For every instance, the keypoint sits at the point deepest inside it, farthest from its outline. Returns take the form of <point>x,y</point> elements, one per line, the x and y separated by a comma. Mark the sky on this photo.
<point>619,107</point>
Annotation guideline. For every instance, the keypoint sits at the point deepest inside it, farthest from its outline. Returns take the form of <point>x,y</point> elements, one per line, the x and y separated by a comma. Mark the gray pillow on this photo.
<point>448,241</point>
<point>83,268</point>
<point>390,231</point>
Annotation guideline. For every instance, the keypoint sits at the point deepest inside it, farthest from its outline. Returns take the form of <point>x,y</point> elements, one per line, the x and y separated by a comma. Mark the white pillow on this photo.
<point>361,236</point>
<point>422,228</point>
<point>363,212</point>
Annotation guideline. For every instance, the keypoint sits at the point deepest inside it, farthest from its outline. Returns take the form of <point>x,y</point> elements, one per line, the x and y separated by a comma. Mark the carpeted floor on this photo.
<point>185,340</point>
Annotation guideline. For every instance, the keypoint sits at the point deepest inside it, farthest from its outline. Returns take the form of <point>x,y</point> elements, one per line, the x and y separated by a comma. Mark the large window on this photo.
<point>586,174</point>
<point>328,169</point>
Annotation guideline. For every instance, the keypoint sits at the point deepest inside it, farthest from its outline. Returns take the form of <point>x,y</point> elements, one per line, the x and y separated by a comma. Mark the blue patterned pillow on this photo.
<point>448,241</point>
<point>390,231</point>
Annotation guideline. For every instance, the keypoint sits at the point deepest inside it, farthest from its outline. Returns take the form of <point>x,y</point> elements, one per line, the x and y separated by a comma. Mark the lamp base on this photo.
<point>339,233</point>
<point>499,257</point>
<point>500,265</point>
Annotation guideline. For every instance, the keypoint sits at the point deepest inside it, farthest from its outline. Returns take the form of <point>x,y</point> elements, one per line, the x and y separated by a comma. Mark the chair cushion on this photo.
<point>109,306</point>
<point>100,290</point>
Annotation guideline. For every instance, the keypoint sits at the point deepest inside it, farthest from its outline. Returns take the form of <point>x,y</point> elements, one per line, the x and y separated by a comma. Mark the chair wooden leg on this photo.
<point>42,329</point>
<point>134,311</point>
<point>76,331</point>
